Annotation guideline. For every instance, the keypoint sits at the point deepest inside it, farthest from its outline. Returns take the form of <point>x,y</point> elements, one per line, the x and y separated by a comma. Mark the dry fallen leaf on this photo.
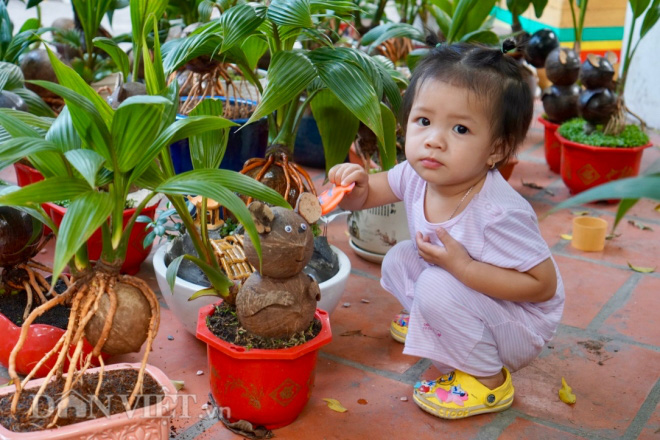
<point>11,382</point>
<point>351,333</point>
<point>362,401</point>
<point>566,393</point>
<point>641,269</point>
<point>532,185</point>
<point>178,384</point>
<point>566,236</point>
<point>639,225</point>
<point>334,405</point>
<point>580,213</point>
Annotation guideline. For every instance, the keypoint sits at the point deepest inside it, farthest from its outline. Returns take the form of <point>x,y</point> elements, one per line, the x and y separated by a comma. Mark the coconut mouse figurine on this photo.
<point>280,299</point>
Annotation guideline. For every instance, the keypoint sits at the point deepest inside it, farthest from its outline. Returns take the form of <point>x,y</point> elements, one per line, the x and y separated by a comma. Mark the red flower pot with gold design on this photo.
<point>551,145</point>
<point>585,166</point>
<point>264,387</point>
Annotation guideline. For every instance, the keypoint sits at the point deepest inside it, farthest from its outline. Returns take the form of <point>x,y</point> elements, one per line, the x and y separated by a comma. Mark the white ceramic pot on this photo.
<point>375,231</point>
<point>151,422</point>
<point>186,311</point>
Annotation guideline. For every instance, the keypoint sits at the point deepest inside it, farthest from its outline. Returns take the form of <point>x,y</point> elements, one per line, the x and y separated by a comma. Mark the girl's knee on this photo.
<point>400,259</point>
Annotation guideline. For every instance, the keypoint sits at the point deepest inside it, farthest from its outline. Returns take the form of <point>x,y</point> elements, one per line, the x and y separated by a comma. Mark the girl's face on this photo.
<point>448,138</point>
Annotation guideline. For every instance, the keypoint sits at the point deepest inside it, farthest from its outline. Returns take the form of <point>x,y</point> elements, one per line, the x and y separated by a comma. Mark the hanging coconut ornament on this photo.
<point>280,299</point>
<point>560,103</point>
<point>597,72</point>
<point>539,45</point>
<point>562,66</point>
<point>596,106</point>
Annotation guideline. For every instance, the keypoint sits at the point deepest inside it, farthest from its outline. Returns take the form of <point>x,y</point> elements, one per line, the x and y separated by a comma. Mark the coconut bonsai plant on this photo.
<point>602,146</point>
<point>115,313</point>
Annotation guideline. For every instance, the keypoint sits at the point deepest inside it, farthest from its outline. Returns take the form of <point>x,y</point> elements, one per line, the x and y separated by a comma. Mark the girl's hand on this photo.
<point>346,173</point>
<point>453,258</point>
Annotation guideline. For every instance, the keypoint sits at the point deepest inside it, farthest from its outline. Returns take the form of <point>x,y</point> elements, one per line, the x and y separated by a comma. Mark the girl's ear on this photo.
<point>496,156</point>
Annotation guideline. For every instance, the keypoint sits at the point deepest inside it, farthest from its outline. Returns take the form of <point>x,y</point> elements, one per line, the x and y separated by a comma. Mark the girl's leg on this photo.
<point>458,327</point>
<point>400,269</point>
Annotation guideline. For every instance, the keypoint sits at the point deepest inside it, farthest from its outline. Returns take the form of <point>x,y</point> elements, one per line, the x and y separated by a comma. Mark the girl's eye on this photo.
<point>460,129</point>
<point>423,122</point>
<point>288,228</point>
<point>303,227</point>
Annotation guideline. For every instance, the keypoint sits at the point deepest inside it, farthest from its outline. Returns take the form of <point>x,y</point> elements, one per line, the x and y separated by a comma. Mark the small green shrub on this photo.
<point>631,136</point>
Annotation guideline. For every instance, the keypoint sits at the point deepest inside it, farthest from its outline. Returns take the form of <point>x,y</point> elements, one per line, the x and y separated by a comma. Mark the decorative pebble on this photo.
<point>43,251</point>
<point>366,301</point>
<point>200,372</point>
<point>170,338</point>
<point>346,305</point>
<point>403,399</point>
<point>205,406</point>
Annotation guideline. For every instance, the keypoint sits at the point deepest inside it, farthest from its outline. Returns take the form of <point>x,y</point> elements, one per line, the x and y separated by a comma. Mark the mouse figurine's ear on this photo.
<point>262,216</point>
<point>308,207</point>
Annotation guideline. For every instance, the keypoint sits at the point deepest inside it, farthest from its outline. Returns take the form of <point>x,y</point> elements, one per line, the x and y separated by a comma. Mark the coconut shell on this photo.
<point>562,66</point>
<point>12,100</point>
<point>36,65</point>
<point>560,103</point>
<point>597,72</point>
<point>539,45</point>
<point>277,308</point>
<point>596,106</point>
<point>286,248</point>
<point>16,230</point>
<point>130,325</point>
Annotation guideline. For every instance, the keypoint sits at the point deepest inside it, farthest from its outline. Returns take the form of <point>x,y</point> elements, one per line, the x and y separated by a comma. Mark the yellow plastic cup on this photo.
<point>589,233</point>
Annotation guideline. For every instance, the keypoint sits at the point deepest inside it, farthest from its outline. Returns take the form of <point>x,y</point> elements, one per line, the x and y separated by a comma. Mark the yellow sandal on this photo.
<point>458,395</point>
<point>399,327</point>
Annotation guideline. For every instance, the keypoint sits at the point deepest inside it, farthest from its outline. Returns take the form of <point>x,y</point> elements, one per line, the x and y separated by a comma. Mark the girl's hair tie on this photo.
<point>508,45</point>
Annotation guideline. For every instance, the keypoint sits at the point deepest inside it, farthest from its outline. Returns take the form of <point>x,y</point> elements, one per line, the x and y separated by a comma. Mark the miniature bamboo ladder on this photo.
<point>230,254</point>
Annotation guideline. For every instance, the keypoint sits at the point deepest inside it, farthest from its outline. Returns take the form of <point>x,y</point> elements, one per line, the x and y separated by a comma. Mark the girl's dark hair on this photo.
<point>493,77</point>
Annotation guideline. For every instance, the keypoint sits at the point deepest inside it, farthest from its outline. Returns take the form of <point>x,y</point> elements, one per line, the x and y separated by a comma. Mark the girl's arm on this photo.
<point>370,189</point>
<point>536,285</point>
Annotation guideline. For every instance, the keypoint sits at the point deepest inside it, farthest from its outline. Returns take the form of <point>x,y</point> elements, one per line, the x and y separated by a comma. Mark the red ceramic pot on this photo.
<point>135,254</point>
<point>552,145</point>
<point>585,166</point>
<point>40,340</point>
<point>26,175</point>
<point>264,387</point>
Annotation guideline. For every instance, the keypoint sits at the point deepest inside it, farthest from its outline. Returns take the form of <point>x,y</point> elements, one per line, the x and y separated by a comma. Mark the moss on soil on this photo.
<point>632,135</point>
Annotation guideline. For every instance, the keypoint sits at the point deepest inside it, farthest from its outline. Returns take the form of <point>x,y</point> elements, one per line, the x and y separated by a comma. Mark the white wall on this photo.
<point>642,93</point>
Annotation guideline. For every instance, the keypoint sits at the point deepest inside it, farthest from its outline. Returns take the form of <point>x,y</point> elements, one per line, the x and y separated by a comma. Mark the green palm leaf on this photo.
<point>15,149</point>
<point>296,13</point>
<point>51,190</point>
<point>337,126</point>
<point>238,23</point>
<point>63,134</point>
<point>83,217</point>
<point>35,104</point>
<point>136,124</point>
<point>87,162</point>
<point>288,75</point>
<point>116,53</point>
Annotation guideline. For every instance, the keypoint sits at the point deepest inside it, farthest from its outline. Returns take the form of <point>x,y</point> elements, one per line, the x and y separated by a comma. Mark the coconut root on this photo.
<point>84,295</point>
<point>294,175</point>
<point>210,83</point>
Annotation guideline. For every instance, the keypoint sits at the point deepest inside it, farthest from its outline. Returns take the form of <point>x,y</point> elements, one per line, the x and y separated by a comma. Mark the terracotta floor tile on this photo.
<point>361,331</point>
<point>384,416</point>
<point>640,313</point>
<point>588,288</point>
<point>610,379</point>
<point>522,429</point>
<point>533,173</point>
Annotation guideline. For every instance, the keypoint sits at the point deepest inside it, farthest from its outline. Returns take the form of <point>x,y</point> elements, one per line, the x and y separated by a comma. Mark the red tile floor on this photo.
<point>607,347</point>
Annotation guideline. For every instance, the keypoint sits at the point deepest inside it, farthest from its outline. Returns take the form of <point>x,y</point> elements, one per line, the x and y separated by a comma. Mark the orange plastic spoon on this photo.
<point>330,198</point>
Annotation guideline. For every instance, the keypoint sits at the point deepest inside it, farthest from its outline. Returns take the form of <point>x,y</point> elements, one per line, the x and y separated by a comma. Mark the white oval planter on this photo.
<point>186,311</point>
<point>375,231</point>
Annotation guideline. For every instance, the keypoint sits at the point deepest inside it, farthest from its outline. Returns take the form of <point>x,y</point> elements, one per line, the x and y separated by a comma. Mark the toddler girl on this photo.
<point>483,291</point>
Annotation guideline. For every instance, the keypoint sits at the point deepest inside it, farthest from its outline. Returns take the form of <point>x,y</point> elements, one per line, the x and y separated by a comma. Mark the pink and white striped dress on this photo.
<point>457,327</point>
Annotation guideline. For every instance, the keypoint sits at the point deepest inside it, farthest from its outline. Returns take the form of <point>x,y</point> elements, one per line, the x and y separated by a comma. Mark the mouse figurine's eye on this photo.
<point>303,226</point>
<point>288,228</point>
